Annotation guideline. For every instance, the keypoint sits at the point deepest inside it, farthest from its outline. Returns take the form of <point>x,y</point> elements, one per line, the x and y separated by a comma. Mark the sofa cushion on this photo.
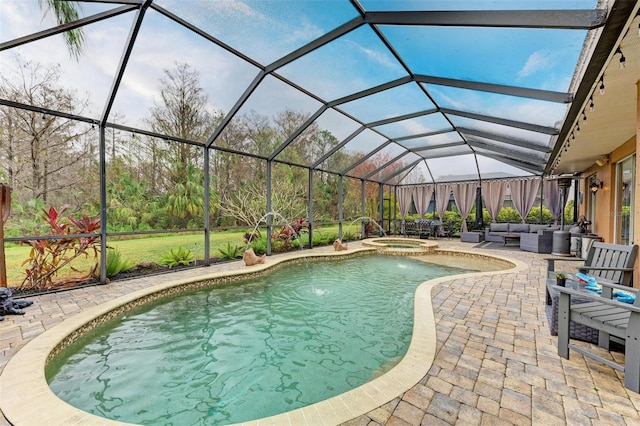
<point>499,227</point>
<point>535,228</point>
<point>518,227</point>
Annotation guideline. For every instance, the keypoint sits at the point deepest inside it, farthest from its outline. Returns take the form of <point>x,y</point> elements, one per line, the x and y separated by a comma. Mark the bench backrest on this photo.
<point>605,255</point>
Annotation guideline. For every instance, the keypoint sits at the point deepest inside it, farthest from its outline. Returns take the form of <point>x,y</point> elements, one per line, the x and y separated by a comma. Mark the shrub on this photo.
<point>116,263</point>
<point>48,257</point>
<point>508,214</point>
<point>534,215</point>
<point>259,245</point>
<point>231,252</point>
<point>180,256</point>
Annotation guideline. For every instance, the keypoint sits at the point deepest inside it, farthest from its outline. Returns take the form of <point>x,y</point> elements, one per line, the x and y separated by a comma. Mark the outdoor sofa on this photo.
<point>536,238</point>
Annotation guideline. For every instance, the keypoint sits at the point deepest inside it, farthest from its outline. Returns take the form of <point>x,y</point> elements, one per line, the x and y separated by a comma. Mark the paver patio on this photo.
<point>495,361</point>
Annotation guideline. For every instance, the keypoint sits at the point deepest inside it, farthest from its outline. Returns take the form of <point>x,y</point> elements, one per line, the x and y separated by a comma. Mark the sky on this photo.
<point>266,30</point>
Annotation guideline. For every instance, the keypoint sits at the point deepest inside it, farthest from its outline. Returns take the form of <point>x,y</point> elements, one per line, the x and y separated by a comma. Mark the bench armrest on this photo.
<point>598,268</point>
<point>600,299</point>
<point>610,284</point>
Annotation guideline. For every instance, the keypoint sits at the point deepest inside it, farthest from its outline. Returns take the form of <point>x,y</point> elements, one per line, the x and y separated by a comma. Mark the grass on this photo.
<point>139,250</point>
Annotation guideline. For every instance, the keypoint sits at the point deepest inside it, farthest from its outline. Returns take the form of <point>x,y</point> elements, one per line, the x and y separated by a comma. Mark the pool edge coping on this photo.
<point>24,374</point>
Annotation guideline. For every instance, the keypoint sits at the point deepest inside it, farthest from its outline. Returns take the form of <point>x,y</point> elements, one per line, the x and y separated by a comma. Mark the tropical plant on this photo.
<point>259,245</point>
<point>175,257</point>
<point>49,256</point>
<point>231,252</point>
<point>116,263</point>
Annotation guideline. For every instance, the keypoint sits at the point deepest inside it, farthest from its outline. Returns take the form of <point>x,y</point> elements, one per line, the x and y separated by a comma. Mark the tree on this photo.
<point>182,112</point>
<point>65,12</point>
<point>43,154</point>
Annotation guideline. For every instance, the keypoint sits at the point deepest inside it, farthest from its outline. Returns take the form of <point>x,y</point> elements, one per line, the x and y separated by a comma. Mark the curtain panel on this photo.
<point>464,195</point>
<point>493,193</point>
<point>523,195</point>
<point>553,200</point>
<point>421,198</point>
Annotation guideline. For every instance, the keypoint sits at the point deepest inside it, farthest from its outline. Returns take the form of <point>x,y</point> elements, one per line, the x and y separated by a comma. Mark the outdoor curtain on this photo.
<point>421,198</point>
<point>464,195</point>
<point>523,195</point>
<point>443,191</point>
<point>493,192</point>
<point>552,199</point>
<point>404,199</point>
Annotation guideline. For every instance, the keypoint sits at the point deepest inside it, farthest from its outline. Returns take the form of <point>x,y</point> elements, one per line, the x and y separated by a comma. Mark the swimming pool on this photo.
<point>23,385</point>
<point>302,334</point>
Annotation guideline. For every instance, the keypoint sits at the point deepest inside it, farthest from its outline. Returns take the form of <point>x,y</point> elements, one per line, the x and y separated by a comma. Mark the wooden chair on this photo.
<point>612,262</point>
<point>611,318</point>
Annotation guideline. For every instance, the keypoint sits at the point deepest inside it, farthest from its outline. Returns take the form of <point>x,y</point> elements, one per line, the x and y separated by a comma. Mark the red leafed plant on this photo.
<point>49,256</point>
<point>281,241</point>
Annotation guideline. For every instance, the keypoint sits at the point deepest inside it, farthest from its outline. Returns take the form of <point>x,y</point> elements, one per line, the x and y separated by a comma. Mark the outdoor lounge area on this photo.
<point>293,212</point>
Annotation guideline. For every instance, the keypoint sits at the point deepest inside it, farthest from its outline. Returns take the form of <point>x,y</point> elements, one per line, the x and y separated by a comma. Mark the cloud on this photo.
<point>537,61</point>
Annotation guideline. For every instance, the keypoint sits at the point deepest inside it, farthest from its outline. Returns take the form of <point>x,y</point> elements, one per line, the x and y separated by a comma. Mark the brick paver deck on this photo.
<point>495,361</point>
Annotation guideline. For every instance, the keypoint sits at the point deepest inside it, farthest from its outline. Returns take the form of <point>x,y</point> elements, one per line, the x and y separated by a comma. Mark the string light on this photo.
<point>578,128</point>
<point>584,116</point>
<point>592,107</point>
<point>622,58</point>
<point>601,85</point>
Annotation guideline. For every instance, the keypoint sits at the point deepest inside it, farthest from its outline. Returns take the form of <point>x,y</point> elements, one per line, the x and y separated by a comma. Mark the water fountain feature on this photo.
<point>362,218</point>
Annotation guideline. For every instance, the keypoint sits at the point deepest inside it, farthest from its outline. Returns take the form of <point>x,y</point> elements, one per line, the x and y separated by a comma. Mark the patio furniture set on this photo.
<point>603,309</point>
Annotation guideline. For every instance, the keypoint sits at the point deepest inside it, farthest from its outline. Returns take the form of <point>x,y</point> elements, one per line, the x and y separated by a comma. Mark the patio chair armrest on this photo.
<point>551,261</point>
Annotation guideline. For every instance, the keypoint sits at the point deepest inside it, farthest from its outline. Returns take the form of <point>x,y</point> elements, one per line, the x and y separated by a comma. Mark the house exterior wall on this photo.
<point>605,211</point>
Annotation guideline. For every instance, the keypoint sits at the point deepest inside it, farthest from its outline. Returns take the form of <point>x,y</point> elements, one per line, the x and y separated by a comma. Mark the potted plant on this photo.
<point>561,279</point>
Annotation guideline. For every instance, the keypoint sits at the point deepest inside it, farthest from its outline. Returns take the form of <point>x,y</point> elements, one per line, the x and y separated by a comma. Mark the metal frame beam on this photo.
<point>298,132</point>
<point>338,147</point>
<point>67,27</point>
<point>124,60</point>
<point>401,117</point>
<point>578,19</point>
<point>507,152</point>
<point>504,139</point>
<point>410,166</point>
<point>385,165</point>
<point>365,158</point>
<point>522,92</point>
<point>502,121</point>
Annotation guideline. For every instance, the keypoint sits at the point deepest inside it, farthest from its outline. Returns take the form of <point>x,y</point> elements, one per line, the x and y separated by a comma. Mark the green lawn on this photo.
<point>138,250</point>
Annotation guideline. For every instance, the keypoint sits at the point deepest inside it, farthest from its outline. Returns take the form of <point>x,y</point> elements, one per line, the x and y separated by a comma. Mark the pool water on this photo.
<point>247,350</point>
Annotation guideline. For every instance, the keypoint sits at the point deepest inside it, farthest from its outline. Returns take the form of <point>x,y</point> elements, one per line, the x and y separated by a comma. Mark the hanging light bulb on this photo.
<point>573,136</point>
<point>622,58</point>
<point>584,116</point>
<point>601,85</point>
<point>578,128</point>
<point>592,107</point>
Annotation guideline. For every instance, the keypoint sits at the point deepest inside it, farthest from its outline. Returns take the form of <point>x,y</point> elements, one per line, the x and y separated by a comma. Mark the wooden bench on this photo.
<point>611,318</point>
